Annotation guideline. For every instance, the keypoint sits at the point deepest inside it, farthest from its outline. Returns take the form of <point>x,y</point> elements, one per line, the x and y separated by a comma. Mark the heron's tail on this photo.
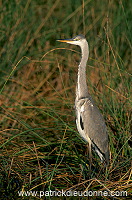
<point>104,156</point>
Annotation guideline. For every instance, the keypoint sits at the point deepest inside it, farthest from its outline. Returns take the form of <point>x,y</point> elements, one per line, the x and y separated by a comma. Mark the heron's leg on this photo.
<point>89,152</point>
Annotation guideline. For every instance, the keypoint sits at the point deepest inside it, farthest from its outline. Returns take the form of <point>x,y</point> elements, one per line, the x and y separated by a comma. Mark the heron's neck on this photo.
<point>82,89</point>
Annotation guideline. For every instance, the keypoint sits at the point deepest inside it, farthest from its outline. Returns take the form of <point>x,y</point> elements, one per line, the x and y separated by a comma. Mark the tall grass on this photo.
<point>40,146</point>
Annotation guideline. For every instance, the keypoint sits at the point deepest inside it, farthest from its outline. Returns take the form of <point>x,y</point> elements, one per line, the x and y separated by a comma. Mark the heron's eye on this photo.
<point>76,39</point>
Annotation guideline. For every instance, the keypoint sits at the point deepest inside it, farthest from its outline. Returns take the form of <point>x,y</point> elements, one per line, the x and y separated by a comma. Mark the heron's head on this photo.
<point>77,40</point>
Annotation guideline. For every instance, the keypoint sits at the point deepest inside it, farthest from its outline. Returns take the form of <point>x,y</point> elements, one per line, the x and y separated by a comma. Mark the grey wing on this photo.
<point>94,125</point>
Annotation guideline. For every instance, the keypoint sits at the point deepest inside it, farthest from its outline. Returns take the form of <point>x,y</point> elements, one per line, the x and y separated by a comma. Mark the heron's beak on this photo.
<point>70,41</point>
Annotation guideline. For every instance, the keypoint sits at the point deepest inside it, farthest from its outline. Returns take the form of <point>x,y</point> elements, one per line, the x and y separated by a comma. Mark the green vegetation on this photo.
<point>40,147</point>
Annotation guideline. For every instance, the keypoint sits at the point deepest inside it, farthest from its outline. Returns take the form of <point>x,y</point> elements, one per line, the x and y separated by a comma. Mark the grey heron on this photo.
<point>89,121</point>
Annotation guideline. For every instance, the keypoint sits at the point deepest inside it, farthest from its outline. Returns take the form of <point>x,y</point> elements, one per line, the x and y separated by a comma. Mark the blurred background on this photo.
<point>40,146</point>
